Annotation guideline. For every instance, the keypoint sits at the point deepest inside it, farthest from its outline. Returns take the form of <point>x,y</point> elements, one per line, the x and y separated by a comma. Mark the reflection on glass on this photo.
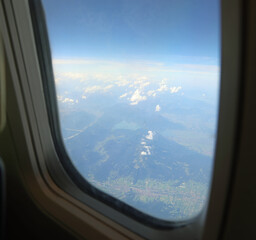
<point>137,87</point>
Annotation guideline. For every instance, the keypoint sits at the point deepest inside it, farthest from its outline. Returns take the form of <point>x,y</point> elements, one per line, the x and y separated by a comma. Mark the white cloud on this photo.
<point>150,92</point>
<point>164,81</point>
<point>108,87</point>
<point>123,95</point>
<point>122,81</point>
<point>72,61</point>
<point>143,85</point>
<point>148,150</point>
<point>158,108</point>
<point>175,89</point>
<point>134,103</point>
<point>143,143</point>
<point>84,97</point>
<point>59,98</point>
<point>198,68</point>
<point>73,75</point>
<point>92,89</point>
<point>69,78</point>
<point>96,88</point>
<point>68,100</point>
<point>57,80</point>
<point>150,135</point>
<point>141,78</point>
<point>136,97</point>
<point>163,87</point>
<point>143,153</point>
<point>146,68</point>
<point>139,82</point>
<point>143,75</point>
<point>81,61</point>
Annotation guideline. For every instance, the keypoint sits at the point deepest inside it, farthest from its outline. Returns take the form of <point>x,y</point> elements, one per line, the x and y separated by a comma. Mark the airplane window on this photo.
<point>137,86</point>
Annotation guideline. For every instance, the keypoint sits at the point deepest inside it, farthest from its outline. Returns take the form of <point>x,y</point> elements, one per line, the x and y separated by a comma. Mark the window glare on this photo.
<point>137,88</point>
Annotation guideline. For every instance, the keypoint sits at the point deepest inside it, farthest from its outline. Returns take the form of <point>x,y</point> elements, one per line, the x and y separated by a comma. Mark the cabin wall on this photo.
<point>23,218</point>
<point>240,222</point>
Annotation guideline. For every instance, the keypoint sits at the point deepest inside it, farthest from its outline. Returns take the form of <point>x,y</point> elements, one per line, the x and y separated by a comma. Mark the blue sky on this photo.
<point>162,30</point>
<point>174,39</point>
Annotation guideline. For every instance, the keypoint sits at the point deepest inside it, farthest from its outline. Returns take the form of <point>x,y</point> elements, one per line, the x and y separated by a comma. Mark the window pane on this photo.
<point>137,87</point>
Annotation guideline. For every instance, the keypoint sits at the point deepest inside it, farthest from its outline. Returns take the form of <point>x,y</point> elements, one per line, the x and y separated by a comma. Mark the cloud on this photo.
<point>162,88</point>
<point>136,97</point>
<point>150,135</point>
<point>84,97</point>
<point>71,75</point>
<point>144,67</point>
<point>96,88</point>
<point>68,100</point>
<point>83,61</point>
<point>164,81</point>
<point>92,89</point>
<point>151,93</point>
<point>148,150</point>
<point>57,79</point>
<point>123,95</point>
<point>151,79</point>
<point>198,68</point>
<point>140,79</point>
<point>163,85</point>
<point>139,82</point>
<point>175,89</point>
<point>143,143</point>
<point>143,85</point>
<point>121,81</point>
<point>70,78</point>
<point>158,108</point>
<point>72,61</point>
<point>108,87</point>
<point>60,98</point>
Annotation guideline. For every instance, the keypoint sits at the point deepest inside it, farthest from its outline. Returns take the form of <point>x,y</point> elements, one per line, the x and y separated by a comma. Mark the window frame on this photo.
<point>47,75</point>
<point>46,179</point>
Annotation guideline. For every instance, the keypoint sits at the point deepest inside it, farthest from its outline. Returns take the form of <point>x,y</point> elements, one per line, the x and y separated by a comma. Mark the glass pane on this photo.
<point>137,86</point>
